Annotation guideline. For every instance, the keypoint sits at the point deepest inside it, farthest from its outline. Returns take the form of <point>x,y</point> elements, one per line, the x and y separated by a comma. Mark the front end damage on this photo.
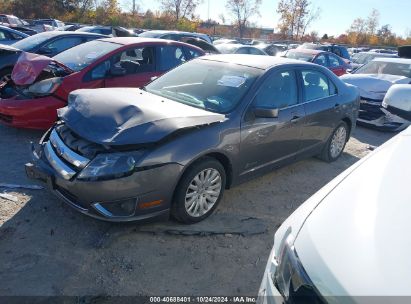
<point>136,194</point>
<point>372,91</point>
<point>30,98</point>
<point>374,116</point>
<point>97,157</point>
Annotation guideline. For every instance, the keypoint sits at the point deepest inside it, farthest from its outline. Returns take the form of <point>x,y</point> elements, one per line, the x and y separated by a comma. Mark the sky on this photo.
<point>336,16</point>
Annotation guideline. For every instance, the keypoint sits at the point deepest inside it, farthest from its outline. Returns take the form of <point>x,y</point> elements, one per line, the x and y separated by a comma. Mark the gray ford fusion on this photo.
<point>174,146</point>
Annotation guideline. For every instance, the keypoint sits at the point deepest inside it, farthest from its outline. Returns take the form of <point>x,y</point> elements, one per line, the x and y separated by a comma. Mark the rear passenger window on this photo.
<point>333,88</point>
<point>170,57</point>
<point>316,85</point>
<point>193,53</point>
<point>278,91</point>
<point>334,62</point>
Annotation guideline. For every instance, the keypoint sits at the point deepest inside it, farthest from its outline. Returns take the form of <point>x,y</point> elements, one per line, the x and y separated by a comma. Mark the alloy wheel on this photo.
<point>338,142</point>
<point>203,192</point>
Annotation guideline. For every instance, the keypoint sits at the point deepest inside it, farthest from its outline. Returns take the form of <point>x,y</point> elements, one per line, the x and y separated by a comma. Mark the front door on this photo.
<point>267,142</point>
<point>138,65</point>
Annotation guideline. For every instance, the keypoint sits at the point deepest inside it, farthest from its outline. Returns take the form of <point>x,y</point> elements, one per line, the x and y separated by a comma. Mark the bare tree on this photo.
<point>222,18</point>
<point>296,16</point>
<point>242,11</point>
<point>373,21</point>
<point>180,8</point>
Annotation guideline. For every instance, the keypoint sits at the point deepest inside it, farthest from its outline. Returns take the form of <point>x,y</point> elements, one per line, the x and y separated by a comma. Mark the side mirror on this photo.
<point>398,100</point>
<point>117,71</point>
<point>265,112</point>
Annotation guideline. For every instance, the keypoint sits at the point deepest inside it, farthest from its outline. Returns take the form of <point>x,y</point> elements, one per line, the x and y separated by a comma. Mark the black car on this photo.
<point>127,154</point>
<point>46,43</point>
<point>198,42</point>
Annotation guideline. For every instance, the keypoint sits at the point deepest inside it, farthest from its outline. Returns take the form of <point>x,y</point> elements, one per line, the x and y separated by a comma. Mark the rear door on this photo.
<point>138,65</point>
<point>322,110</point>
<point>267,142</point>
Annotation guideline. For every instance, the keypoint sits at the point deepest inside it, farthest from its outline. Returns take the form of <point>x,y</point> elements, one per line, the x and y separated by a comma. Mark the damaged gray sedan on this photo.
<point>174,146</point>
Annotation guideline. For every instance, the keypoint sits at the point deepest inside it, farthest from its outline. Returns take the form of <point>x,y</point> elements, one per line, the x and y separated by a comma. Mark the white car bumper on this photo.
<point>268,293</point>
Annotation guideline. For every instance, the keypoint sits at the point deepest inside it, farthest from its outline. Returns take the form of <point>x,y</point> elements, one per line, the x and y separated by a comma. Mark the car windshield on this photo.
<point>29,43</point>
<point>385,67</point>
<point>81,56</point>
<point>210,85</point>
<point>300,56</point>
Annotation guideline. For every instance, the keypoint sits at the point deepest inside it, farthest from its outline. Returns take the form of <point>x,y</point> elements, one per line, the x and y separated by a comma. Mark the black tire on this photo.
<point>178,209</point>
<point>326,154</point>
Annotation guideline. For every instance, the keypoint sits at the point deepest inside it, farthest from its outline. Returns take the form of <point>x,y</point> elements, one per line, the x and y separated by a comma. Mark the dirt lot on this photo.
<point>48,249</point>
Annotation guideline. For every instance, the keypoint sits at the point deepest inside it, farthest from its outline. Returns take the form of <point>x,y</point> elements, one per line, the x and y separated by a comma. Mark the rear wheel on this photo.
<point>336,143</point>
<point>199,191</point>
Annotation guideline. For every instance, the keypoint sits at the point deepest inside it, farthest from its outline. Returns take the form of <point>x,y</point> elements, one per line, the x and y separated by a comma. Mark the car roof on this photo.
<point>395,60</point>
<point>256,61</point>
<point>63,33</point>
<point>308,51</point>
<point>131,40</point>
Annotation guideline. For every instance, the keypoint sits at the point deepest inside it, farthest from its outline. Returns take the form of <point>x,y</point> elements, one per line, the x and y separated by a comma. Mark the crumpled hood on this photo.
<point>127,116</point>
<point>29,66</point>
<point>374,86</point>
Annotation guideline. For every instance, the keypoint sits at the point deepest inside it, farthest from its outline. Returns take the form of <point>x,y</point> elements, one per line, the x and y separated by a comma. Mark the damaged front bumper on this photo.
<point>35,113</point>
<point>144,194</point>
<point>372,115</point>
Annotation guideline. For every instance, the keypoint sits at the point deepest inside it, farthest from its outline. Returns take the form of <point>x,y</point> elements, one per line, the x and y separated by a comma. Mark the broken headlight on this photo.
<point>291,279</point>
<point>110,166</point>
<point>45,87</point>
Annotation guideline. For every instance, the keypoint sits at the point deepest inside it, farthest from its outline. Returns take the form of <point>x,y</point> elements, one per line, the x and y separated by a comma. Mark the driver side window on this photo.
<point>278,91</point>
<point>135,60</point>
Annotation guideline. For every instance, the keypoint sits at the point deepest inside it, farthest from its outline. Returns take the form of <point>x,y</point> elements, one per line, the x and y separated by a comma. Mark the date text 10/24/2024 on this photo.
<point>203,299</point>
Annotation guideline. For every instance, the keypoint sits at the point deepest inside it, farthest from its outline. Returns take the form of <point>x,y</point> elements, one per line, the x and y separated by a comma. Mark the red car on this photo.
<point>41,85</point>
<point>331,61</point>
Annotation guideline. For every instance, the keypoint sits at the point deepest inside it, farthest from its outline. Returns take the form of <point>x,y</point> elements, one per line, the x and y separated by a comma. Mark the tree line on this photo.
<point>295,18</point>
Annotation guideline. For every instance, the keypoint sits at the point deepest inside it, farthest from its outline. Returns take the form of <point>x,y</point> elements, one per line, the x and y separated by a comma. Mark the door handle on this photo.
<point>295,119</point>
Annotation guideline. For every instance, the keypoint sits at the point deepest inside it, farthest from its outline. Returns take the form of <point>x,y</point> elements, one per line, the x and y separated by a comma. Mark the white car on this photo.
<point>349,242</point>
<point>373,80</point>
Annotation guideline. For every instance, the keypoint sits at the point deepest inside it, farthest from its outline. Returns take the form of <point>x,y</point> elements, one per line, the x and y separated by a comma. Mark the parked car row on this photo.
<point>107,62</point>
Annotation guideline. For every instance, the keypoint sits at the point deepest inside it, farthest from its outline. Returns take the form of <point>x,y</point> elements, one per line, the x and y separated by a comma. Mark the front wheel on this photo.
<point>336,143</point>
<point>199,191</point>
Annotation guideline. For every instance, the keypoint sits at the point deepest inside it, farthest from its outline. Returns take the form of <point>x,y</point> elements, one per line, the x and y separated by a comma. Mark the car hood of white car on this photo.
<point>374,86</point>
<point>356,242</point>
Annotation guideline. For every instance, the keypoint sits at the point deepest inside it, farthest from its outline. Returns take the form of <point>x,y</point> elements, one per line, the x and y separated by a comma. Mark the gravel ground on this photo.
<point>48,249</point>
